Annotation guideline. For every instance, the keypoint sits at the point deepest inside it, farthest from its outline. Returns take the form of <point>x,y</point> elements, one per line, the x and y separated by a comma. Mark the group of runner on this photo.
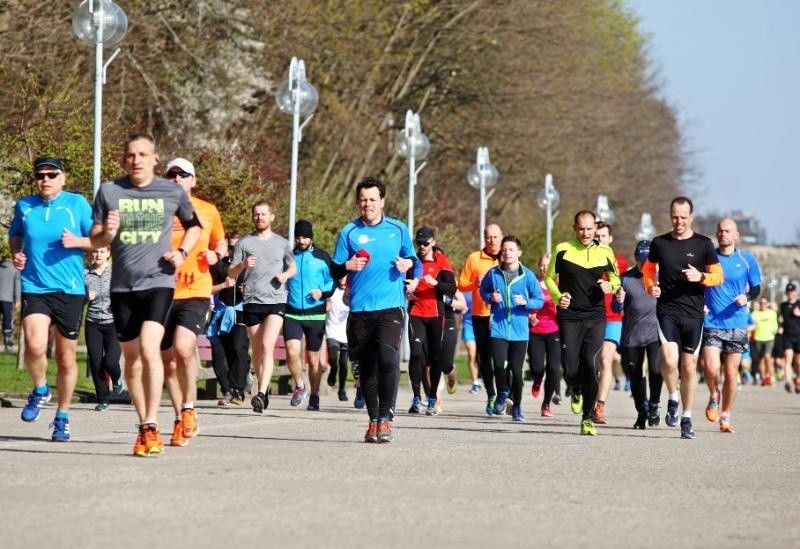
<point>171,256</point>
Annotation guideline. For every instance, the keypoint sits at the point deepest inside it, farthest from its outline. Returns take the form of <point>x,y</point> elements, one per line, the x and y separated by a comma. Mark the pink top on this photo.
<point>547,315</point>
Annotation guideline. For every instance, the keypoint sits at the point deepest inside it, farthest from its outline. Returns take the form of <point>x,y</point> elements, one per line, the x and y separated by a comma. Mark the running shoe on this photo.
<point>500,403</point>
<point>653,417</point>
<point>712,410</point>
<point>556,399</point>
<point>787,386</point>
<point>516,414</point>
<point>476,389</point>
<point>628,385</point>
<point>588,428</point>
<point>686,428</point>
<point>189,419</point>
<point>358,401</point>
<point>139,447</point>
<point>225,401</point>
<point>490,406</point>
<point>671,417</point>
<point>298,395</point>
<point>178,437</point>
<point>152,440</point>
<point>60,426</point>
<point>576,403</point>
<point>617,385</point>
<point>599,413</point>
<point>259,403</point>
<point>385,431</point>
<point>342,395</point>
<point>331,377</point>
<point>237,398</point>
<point>414,408</point>
<point>746,377</point>
<point>725,425</point>
<point>30,412</point>
<point>431,411</point>
<point>536,388</point>
<point>546,411</point>
<point>372,432</point>
<point>452,382</point>
<point>313,403</point>
<point>641,421</point>
<point>101,407</point>
<point>117,387</point>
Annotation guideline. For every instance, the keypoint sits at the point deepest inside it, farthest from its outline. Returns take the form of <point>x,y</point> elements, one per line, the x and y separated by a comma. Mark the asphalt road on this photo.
<point>294,478</point>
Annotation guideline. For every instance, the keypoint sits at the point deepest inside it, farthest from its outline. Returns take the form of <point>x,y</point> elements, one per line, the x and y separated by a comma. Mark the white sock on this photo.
<point>188,406</point>
<point>675,395</point>
<point>687,413</point>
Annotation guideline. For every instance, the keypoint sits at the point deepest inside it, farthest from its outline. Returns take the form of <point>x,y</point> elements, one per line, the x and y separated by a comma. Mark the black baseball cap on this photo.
<point>790,287</point>
<point>43,161</point>
<point>424,234</point>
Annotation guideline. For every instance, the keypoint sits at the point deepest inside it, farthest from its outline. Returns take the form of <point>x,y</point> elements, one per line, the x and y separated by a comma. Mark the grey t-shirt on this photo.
<point>145,231</point>
<point>273,255</point>
<point>639,325</point>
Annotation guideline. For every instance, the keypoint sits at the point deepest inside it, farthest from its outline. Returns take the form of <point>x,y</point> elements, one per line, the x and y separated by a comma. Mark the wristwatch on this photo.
<point>183,252</point>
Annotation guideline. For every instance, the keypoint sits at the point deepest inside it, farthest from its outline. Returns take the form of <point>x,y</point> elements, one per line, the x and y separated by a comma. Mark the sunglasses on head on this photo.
<point>181,174</point>
<point>40,176</point>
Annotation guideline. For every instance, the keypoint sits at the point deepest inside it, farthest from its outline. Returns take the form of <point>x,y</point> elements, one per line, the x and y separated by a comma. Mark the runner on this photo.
<point>191,304</point>
<point>544,345</point>
<point>468,339</point>
<point>512,291</point>
<point>576,283</point>
<point>336,337</point>
<point>375,252</point>
<point>46,233</point>
<point>267,261</point>
<point>764,334</point>
<point>687,265</point>
<point>135,215</point>
<point>790,328</point>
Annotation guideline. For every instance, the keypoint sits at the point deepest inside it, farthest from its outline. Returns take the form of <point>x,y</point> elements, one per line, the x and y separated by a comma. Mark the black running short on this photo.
<point>686,332</point>
<point>132,309</point>
<point>256,313</point>
<point>64,310</point>
<point>190,313</point>
<point>314,330</point>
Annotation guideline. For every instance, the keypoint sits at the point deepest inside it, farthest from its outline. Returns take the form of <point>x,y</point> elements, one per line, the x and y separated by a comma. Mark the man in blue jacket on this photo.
<point>305,312</point>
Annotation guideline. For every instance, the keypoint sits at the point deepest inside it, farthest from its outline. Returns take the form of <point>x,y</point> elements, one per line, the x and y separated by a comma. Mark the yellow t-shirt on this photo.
<point>193,279</point>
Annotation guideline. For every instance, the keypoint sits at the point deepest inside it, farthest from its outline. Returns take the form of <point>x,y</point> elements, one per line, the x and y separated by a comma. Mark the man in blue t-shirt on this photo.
<point>375,252</point>
<point>45,231</point>
<point>725,326</point>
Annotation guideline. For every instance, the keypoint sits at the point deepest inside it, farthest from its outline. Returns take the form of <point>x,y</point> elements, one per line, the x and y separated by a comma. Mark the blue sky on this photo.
<point>731,70</point>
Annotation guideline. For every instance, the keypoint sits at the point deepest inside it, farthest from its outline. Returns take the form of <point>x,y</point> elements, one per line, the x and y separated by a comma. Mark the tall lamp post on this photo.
<point>604,211</point>
<point>483,175</point>
<point>99,23</point>
<point>548,199</point>
<point>411,143</point>
<point>645,229</point>
<point>296,97</point>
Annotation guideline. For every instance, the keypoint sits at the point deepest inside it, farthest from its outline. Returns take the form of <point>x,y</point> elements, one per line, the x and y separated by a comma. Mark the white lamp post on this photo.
<point>645,229</point>
<point>411,143</point>
<point>483,175</point>
<point>296,96</point>
<point>99,23</point>
<point>604,212</point>
<point>548,199</point>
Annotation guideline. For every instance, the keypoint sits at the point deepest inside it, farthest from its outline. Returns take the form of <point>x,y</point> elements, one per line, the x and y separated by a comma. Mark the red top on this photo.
<point>616,316</point>
<point>428,304</point>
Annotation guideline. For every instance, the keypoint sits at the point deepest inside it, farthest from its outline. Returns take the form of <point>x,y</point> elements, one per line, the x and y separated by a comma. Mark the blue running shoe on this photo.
<point>490,406</point>
<point>60,427</point>
<point>672,413</point>
<point>414,408</point>
<point>30,412</point>
<point>500,403</point>
<point>516,414</point>
<point>686,428</point>
<point>432,411</point>
<point>358,401</point>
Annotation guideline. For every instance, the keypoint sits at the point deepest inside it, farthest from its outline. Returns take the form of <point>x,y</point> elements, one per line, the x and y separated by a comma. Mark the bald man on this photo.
<point>725,326</point>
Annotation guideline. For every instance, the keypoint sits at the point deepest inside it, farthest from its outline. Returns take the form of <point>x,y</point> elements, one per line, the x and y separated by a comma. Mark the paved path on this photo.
<point>293,478</point>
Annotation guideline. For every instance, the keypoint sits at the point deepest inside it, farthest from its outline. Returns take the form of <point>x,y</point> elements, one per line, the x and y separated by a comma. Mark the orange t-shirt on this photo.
<point>193,279</point>
<point>477,265</point>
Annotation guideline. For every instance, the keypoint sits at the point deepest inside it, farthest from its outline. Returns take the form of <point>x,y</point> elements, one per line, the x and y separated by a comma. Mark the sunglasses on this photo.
<point>40,176</point>
<point>181,174</point>
<point>424,244</point>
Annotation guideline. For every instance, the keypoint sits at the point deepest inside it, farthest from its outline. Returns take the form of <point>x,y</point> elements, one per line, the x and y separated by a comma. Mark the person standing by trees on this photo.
<point>46,234</point>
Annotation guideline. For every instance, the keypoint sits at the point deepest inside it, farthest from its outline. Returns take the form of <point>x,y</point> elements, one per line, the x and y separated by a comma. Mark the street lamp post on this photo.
<point>645,229</point>
<point>483,175</point>
<point>604,211</point>
<point>548,199</point>
<point>411,143</point>
<point>296,97</point>
<point>99,23</point>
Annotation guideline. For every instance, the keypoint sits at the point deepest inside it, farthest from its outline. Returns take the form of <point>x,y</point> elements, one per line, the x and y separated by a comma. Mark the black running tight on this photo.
<point>581,342</point>
<point>634,358</point>
<point>541,346</point>
<point>511,353</point>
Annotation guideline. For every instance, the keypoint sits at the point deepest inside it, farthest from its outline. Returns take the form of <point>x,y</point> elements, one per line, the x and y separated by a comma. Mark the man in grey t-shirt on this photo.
<point>267,261</point>
<point>134,214</point>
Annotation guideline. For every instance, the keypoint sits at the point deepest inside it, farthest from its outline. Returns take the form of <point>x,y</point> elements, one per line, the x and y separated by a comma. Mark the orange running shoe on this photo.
<point>139,447</point>
<point>372,432</point>
<point>712,410</point>
<point>385,431</point>
<point>189,419</point>
<point>152,440</point>
<point>725,425</point>
<point>178,437</point>
<point>599,414</point>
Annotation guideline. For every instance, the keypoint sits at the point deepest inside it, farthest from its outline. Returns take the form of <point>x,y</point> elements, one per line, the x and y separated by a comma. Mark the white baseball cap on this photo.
<point>181,163</point>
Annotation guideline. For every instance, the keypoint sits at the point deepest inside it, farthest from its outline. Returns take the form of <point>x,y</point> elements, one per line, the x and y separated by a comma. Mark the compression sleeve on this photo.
<point>649,276</point>
<point>753,292</point>
<point>714,276</point>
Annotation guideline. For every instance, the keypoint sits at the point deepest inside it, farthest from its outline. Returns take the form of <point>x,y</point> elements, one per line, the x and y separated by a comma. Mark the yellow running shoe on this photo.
<point>576,403</point>
<point>588,428</point>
